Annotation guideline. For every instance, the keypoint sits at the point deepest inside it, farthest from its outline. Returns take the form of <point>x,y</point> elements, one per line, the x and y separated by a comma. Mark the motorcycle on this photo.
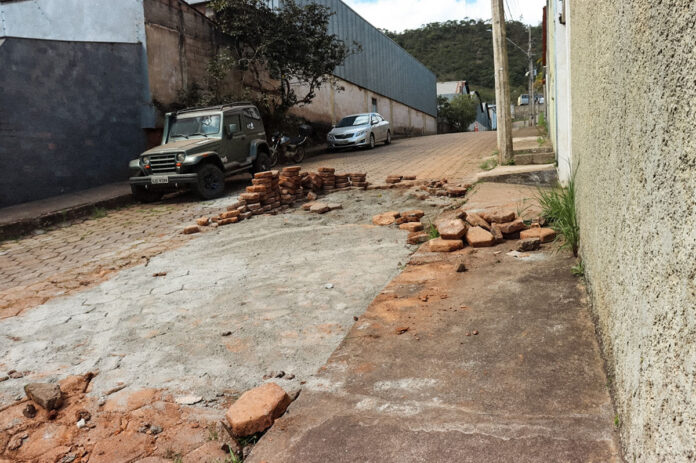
<point>289,148</point>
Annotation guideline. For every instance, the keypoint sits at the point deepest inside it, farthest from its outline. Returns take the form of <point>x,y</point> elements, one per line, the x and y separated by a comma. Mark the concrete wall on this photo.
<point>74,20</point>
<point>331,104</point>
<point>633,116</point>
<point>64,126</point>
<point>180,43</point>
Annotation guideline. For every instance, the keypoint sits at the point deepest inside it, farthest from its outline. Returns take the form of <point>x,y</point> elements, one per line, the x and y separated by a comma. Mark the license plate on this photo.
<point>159,179</point>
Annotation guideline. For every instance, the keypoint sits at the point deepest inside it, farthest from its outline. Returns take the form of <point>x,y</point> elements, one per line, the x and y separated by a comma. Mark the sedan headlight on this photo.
<point>180,157</point>
<point>361,133</point>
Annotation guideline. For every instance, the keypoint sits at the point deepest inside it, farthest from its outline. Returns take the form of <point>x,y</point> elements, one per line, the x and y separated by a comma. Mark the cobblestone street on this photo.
<point>76,256</point>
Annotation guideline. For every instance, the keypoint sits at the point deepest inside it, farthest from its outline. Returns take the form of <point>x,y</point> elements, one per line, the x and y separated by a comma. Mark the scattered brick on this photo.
<point>319,208</point>
<point>546,235</point>
<point>203,221</point>
<point>529,244</point>
<point>386,218</point>
<point>497,216</point>
<point>190,230</point>
<point>497,234</point>
<point>452,229</point>
<point>46,395</point>
<point>257,409</point>
<point>477,237</point>
<point>417,237</point>
<point>512,227</point>
<point>476,220</point>
<point>443,245</point>
<point>411,226</point>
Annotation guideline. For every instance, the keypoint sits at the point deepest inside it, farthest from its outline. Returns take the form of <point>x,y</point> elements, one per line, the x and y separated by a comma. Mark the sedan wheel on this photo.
<point>388,140</point>
<point>372,140</point>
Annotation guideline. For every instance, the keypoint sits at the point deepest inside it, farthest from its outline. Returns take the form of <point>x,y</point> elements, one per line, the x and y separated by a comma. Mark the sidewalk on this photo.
<point>498,364</point>
<point>18,219</point>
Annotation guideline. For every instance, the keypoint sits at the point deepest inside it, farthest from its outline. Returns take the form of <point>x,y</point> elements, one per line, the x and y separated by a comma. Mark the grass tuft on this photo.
<point>558,208</point>
<point>578,269</point>
<point>432,231</point>
<point>489,164</point>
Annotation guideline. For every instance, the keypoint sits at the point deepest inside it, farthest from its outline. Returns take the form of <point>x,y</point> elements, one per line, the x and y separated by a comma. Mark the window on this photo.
<point>375,120</point>
<point>232,123</point>
<point>201,126</point>
<point>374,105</point>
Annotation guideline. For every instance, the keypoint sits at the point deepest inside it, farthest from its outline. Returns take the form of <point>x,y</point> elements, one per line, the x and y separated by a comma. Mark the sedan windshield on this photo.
<point>352,121</point>
<point>201,126</point>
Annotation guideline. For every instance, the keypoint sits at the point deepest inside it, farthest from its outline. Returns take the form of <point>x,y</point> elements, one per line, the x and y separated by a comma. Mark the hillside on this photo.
<point>463,50</point>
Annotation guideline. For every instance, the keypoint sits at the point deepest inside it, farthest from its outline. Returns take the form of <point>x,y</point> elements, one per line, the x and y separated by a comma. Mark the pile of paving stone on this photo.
<point>444,188</point>
<point>275,191</point>
<point>393,179</point>
<point>481,229</point>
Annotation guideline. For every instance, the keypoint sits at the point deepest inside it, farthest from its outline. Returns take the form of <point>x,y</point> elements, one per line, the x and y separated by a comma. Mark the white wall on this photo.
<point>74,20</point>
<point>560,93</point>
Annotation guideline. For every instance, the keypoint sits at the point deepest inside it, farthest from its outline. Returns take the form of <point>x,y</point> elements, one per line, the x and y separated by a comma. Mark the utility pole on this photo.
<point>532,101</point>
<point>502,84</point>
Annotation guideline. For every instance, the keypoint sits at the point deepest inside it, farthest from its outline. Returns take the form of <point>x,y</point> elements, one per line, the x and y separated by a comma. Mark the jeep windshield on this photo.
<point>352,121</point>
<point>198,126</point>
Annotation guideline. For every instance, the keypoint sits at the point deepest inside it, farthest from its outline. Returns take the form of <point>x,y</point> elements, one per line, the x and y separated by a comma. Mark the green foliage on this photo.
<point>578,269</point>
<point>542,125</point>
<point>558,208</point>
<point>291,44</point>
<point>458,113</point>
<point>432,231</point>
<point>463,50</point>
<point>98,213</point>
<point>489,164</point>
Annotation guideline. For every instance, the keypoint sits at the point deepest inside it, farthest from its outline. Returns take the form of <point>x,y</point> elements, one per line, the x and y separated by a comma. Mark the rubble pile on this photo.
<point>477,230</point>
<point>444,188</point>
<point>273,191</point>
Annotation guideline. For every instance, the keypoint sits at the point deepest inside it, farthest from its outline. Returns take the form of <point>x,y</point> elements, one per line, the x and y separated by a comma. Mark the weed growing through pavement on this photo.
<point>578,269</point>
<point>432,231</point>
<point>212,432</point>
<point>98,213</point>
<point>558,208</point>
<point>488,164</point>
<point>509,162</point>
<point>233,458</point>
<point>617,421</point>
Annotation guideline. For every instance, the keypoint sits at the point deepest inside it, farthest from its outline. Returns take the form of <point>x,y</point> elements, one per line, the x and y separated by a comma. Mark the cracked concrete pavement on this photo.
<point>263,280</point>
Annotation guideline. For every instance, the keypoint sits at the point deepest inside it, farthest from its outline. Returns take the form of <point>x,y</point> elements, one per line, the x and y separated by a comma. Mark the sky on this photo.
<point>398,15</point>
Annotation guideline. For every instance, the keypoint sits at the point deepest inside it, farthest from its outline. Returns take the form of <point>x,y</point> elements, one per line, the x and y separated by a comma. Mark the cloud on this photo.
<point>398,15</point>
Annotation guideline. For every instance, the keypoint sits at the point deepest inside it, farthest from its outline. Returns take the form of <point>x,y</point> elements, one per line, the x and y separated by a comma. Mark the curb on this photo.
<point>21,228</point>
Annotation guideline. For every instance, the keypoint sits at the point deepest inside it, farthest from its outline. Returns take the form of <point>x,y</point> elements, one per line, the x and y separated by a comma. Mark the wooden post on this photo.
<point>502,84</point>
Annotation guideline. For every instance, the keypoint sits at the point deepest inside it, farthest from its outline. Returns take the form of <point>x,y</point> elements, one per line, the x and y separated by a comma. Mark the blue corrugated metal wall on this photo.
<point>383,66</point>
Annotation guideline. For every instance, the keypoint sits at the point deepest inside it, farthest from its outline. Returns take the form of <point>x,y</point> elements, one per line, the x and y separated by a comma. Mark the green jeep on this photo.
<point>200,148</point>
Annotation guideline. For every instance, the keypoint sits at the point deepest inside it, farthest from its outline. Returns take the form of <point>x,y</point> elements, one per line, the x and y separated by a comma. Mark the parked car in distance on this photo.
<point>360,130</point>
<point>540,100</point>
<point>523,100</point>
<point>200,148</point>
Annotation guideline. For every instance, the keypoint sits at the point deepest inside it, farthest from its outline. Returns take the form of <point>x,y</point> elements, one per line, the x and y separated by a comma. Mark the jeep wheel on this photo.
<point>211,182</point>
<point>299,154</point>
<point>262,163</point>
<point>142,194</point>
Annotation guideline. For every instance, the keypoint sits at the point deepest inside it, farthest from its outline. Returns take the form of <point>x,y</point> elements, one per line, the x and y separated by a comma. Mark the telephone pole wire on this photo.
<point>502,84</point>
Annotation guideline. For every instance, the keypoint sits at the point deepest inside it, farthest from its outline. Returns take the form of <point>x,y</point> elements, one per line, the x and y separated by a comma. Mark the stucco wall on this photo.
<point>633,116</point>
<point>330,105</point>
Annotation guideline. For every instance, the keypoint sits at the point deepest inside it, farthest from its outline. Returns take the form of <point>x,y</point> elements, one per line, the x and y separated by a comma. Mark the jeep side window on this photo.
<point>232,124</point>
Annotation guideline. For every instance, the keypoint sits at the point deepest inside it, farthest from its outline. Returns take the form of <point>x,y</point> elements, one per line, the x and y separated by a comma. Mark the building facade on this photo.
<point>624,98</point>
<point>95,77</point>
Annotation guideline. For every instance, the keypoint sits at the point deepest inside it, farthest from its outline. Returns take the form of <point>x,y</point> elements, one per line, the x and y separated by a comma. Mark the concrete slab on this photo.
<point>524,175</point>
<point>496,364</point>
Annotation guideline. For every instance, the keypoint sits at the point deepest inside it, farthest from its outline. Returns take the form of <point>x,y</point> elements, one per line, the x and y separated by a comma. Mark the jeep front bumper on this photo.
<point>164,180</point>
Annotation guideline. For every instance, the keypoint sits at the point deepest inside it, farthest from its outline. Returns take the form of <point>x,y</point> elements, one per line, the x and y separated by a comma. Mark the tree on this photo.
<point>287,52</point>
<point>458,114</point>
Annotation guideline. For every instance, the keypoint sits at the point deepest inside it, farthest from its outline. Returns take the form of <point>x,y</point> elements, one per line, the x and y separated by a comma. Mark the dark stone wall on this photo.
<point>70,115</point>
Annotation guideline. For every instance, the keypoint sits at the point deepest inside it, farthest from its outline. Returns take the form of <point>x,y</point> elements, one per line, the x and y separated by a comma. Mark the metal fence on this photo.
<point>383,66</point>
